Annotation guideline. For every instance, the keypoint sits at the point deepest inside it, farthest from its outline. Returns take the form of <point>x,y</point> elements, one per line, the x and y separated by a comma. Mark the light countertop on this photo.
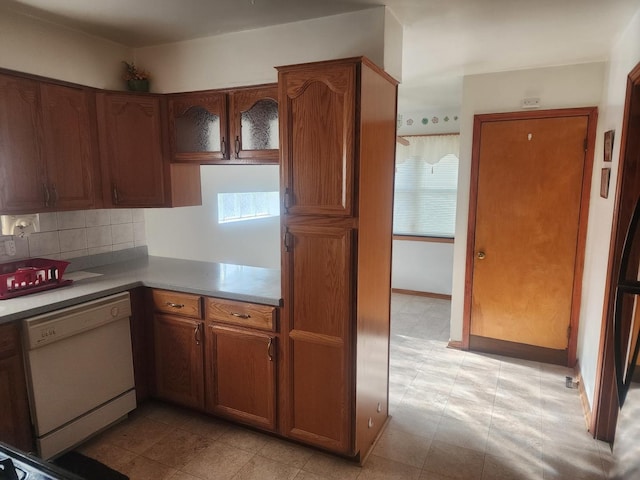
<point>234,282</point>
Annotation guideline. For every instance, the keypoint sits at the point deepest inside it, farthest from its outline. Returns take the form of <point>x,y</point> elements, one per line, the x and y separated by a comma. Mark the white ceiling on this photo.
<point>443,39</point>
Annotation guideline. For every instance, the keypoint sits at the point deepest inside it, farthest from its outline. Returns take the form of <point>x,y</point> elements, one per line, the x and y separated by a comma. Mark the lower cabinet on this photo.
<point>241,375</point>
<point>179,360</point>
<point>221,358</point>
<point>15,424</point>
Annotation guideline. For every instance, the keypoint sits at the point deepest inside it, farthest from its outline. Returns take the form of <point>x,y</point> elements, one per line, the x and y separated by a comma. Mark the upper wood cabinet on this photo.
<point>47,146</point>
<point>135,166</point>
<point>253,125</point>
<point>318,113</point>
<point>23,180</point>
<point>202,129</point>
<point>198,127</point>
<point>70,141</point>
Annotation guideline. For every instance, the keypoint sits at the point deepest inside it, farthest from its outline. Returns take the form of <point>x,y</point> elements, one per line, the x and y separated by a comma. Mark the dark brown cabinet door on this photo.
<point>23,184</point>
<point>15,424</point>
<point>318,337</point>
<point>318,112</point>
<point>241,379</point>
<point>179,356</point>
<point>131,149</point>
<point>70,149</point>
<point>253,125</point>
<point>198,126</point>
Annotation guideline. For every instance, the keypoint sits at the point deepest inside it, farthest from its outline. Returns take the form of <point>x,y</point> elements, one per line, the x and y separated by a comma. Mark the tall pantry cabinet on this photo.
<point>337,140</point>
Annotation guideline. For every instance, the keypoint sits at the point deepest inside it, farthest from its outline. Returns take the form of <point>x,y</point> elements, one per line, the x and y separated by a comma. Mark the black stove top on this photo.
<point>17,465</point>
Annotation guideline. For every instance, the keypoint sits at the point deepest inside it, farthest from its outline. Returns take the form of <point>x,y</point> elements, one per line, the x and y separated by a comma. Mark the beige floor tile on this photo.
<point>514,468</point>
<point>471,435</point>
<point>378,468</point>
<point>137,435</point>
<point>403,448</point>
<point>245,439</point>
<point>565,462</point>
<point>286,452</point>
<point>111,455</point>
<point>260,468</point>
<point>177,449</point>
<point>141,468</point>
<point>454,461</point>
<point>219,461</point>
<point>169,414</point>
<point>332,467</point>
<point>302,475</point>
<point>178,475</point>
<point>206,426</point>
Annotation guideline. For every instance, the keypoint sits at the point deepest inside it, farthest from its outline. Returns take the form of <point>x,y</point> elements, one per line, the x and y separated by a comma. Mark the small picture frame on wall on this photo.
<point>604,182</point>
<point>608,144</point>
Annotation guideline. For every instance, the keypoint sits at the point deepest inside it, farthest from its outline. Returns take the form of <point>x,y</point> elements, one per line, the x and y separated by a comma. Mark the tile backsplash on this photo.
<point>65,235</point>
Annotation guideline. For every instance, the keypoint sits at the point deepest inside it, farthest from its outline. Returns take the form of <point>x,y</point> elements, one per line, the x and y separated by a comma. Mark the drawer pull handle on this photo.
<point>244,316</point>
<point>175,305</point>
<point>269,349</point>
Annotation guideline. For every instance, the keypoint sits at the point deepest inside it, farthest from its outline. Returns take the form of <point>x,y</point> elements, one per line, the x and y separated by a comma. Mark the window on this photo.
<point>426,186</point>
<point>238,207</point>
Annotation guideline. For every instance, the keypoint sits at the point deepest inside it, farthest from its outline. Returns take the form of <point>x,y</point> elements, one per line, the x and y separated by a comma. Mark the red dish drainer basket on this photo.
<point>31,275</point>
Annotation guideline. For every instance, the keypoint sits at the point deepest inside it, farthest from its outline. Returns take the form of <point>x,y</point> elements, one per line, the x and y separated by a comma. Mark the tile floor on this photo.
<point>455,415</point>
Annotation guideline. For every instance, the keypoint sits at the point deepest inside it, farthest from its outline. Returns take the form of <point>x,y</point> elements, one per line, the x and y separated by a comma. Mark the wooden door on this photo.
<point>241,375</point>
<point>179,357</point>
<point>23,183</point>
<point>70,147</point>
<point>318,113</point>
<point>318,338</point>
<point>131,149</point>
<point>198,127</point>
<point>530,175</point>
<point>253,125</point>
<point>15,424</point>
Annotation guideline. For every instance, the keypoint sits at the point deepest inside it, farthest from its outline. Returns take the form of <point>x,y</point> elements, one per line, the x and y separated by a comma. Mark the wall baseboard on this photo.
<point>455,344</point>
<point>517,350</point>
<point>416,293</point>
<point>586,408</point>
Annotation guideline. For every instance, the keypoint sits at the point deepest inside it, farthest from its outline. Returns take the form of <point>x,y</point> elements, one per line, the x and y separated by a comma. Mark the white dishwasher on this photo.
<point>79,371</point>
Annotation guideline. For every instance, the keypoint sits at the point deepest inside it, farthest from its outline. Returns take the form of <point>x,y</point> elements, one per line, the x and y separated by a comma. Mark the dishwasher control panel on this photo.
<point>51,327</point>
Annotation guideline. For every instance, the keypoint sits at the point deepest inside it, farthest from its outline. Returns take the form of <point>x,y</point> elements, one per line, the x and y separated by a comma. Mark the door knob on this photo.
<point>481,255</point>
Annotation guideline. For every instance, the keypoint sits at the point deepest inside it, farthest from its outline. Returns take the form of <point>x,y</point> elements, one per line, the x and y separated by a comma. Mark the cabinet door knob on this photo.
<point>481,255</point>
<point>47,196</point>
<point>237,147</point>
<point>196,334</point>
<point>223,148</point>
<point>54,191</point>
<point>269,349</point>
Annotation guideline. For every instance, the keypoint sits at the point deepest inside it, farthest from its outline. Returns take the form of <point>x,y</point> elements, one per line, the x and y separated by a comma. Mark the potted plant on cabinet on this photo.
<point>137,79</point>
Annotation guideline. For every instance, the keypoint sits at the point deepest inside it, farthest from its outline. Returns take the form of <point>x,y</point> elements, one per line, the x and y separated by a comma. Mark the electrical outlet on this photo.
<point>10,248</point>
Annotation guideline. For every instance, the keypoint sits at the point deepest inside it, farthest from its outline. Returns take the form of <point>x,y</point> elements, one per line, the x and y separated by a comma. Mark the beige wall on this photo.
<point>42,48</point>
<point>624,57</point>
<point>249,57</point>
<point>557,87</point>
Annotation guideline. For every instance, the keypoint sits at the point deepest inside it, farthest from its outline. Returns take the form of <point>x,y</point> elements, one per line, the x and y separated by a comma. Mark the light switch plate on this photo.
<point>10,248</point>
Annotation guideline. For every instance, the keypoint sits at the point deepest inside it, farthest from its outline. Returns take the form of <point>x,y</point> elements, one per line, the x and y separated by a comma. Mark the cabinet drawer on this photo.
<point>183,304</point>
<point>243,314</point>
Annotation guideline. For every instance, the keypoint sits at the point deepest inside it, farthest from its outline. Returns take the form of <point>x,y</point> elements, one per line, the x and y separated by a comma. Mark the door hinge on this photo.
<point>586,142</point>
<point>569,332</point>
<point>288,240</point>
<point>286,201</point>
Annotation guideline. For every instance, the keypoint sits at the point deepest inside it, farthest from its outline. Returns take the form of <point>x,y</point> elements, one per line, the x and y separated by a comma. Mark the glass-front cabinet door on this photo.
<point>254,125</point>
<point>198,126</point>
